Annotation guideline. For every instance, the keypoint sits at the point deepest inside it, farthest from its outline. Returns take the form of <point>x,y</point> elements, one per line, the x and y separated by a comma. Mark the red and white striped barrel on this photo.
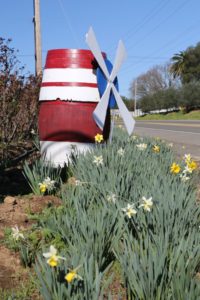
<point>68,97</point>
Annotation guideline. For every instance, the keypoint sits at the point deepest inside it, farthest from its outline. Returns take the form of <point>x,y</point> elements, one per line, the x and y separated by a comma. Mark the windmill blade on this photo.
<point>129,122</point>
<point>93,45</point>
<point>99,114</point>
<point>119,59</point>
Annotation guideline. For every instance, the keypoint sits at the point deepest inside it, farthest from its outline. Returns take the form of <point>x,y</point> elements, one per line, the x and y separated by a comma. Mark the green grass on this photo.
<point>193,115</point>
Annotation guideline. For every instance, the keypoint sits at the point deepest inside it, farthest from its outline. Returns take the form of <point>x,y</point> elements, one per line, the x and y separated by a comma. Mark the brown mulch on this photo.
<point>15,211</point>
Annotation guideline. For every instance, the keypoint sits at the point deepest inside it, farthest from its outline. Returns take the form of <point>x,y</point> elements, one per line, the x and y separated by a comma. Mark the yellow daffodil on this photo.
<point>72,274</point>
<point>98,138</point>
<point>156,149</point>
<point>187,158</point>
<point>147,204</point>
<point>52,256</point>
<point>192,165</point>
<point>175,168</point>
<point>53,261</point>
<point>129,210</point>
<point>43,187</point>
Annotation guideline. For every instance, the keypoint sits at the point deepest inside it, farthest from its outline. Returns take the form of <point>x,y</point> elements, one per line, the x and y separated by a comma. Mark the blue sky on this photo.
<point>152,30</point>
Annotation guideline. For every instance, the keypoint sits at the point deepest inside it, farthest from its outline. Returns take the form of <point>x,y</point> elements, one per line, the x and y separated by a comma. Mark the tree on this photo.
<point>178,64</point>
<point>129,103</point>
<point>190,96</point>
<point>163,99</point>
<point>18,98</point>
<point>156,79</point>
<point>186,65</point>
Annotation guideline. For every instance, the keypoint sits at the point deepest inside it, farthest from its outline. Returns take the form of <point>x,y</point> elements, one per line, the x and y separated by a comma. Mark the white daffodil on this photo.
<point>187,170</point>
<point>141,146</point>
<point>147,204</point>
<point>78,182</point>
<point>112,198</point>
<point>134,137</point>
<point>170,145</point>
<point>184,177</point>
<point>16,233</point>
<point>52,256</point>
<point>33,132</point>
<point>98,160</point>
<point>129,210</point>
<point>50,184</point>
<point>121,151</point>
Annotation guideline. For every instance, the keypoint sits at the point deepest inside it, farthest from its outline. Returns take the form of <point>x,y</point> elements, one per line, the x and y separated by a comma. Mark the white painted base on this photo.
<point>58,153</point>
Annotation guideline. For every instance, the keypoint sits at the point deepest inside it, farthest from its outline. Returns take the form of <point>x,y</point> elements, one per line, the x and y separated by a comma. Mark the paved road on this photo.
<point>185,135</point>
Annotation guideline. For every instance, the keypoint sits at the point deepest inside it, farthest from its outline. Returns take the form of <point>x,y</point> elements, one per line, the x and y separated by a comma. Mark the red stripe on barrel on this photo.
<point>92,85</point>
<point>69,121</point>
<point>71,58</point>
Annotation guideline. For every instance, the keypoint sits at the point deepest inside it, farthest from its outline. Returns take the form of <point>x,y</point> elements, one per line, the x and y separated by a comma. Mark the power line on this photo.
<point>178,37</point>
<point>146,19</point>
<point>160,23</point>
<point>74,36</point>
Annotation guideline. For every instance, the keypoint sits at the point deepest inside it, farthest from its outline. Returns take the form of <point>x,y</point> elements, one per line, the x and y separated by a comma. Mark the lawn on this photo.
<point>193,115</point>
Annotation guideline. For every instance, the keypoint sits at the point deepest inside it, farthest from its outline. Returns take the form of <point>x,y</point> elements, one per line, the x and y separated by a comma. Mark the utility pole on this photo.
<point>37,33</point>
<point>135,104</point>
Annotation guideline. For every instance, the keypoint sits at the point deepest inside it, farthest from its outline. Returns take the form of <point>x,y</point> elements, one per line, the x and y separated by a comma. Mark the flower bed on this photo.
<point>130,202</point>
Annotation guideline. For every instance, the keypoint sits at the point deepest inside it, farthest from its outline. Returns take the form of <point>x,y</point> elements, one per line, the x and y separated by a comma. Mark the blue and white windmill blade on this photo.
<point>94,46</point>
<point>100,111</point>
<point>128,120</point>
<point>119,59</point>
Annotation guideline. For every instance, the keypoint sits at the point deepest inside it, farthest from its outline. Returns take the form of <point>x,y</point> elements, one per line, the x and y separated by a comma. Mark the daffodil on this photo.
<point>72,274</point>
<point>43,187</point>
<point>16,233</point>
<point>33,132</point>
<point>187,170</point>
<point>184,177</point>
<point>120,152</point>
<point>141,146</point>
<point>98,160</point>
<point>78,182</point>
<point>129,210</point>
<point>47,184</point>
<point>156,149</point>
<point>52,256</point>
<point>112,198</point>
<point>147,204</point>
<point>187,158</point>
<point>192,165</point>
<point>98,138</point>
<point>134,137</point>
<point>175,168</point>
<point>170,145</point>
<point>50,184</point>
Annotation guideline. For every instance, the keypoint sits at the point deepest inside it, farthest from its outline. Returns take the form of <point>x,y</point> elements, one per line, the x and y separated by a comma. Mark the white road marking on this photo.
<point>163,129</point>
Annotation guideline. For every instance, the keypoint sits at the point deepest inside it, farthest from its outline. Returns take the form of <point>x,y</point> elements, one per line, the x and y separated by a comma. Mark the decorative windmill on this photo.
<point>100,111</point>
<point>73,105</point>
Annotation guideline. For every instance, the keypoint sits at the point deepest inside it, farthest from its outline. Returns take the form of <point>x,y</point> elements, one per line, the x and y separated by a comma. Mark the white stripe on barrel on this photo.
<point>60,85</point>
<point>60,152</point>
